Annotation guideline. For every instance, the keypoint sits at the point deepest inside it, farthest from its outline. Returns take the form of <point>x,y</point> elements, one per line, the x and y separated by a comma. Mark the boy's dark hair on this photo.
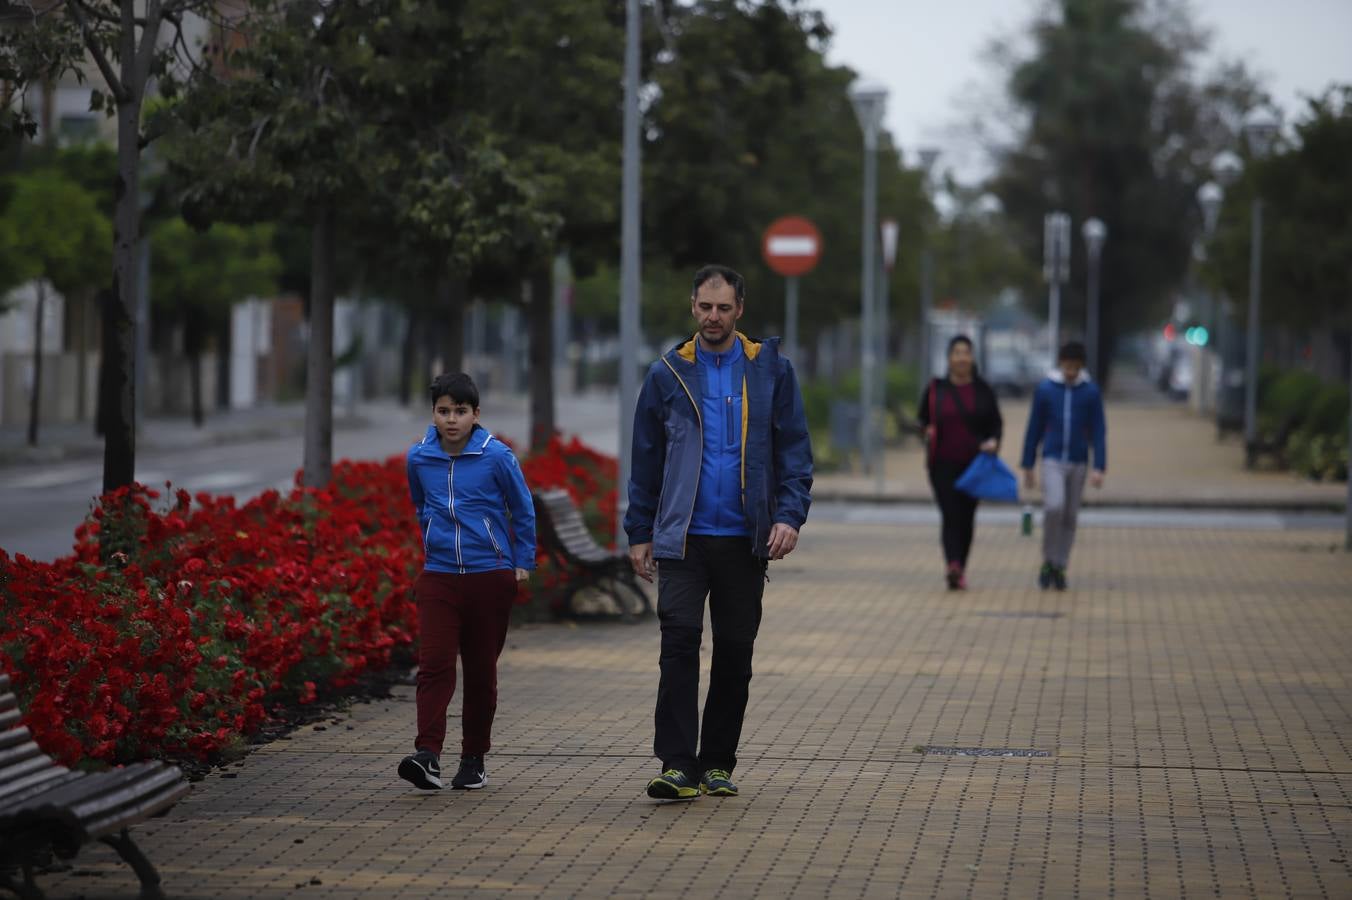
<point>960,339</point>
<point>734,280</point>
<point>456,385</point>
<point>1072,351</point>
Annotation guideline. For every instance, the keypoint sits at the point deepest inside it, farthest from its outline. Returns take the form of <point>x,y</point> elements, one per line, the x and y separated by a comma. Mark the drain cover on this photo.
<point>1021,615</point>
<point>1007,752</point>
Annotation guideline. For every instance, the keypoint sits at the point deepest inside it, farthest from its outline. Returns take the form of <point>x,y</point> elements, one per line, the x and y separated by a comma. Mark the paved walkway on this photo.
<point>1189,701</point>
<point>1159,454</point>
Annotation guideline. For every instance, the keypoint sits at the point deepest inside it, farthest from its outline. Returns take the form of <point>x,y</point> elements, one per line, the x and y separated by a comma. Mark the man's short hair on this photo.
<point>723,273</point>
<point>456,385</point>
<point>1072,351</point>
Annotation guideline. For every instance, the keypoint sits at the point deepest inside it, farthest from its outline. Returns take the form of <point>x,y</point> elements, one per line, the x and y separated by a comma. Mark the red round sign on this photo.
<point>791,246</point>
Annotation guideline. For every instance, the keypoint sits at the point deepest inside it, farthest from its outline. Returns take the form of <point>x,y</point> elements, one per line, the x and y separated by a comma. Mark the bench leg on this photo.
<point>25,890</point>
<point>127,849</point>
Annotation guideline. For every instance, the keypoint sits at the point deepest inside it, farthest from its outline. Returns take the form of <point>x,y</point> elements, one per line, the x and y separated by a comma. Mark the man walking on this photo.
<point>721,484</point>
<point>1066,420</point>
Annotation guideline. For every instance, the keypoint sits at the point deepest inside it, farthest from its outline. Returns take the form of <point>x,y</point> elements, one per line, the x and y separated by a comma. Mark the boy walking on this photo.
<point>478,528</point>
<point>721,484</point>
<point>1066,420</point>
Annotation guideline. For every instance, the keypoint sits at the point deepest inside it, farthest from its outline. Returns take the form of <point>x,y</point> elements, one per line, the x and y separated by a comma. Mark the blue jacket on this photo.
<point>474,510</point>
<point>668,450</point>
<point>718,503</point>
<point>1066,420</point>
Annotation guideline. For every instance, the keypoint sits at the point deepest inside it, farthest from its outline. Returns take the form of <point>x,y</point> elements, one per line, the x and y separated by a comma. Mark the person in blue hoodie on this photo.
<point>477,521</point>
<point>1066,420</point>
<point>720,485</point>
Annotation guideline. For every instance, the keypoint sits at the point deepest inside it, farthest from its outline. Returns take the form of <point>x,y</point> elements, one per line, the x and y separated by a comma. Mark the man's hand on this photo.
<point>1029,479</point>
<point>1096,479</point>
<point>929,432</point>
<point>990,445</point>
<point>641,558</point>
<point>522,575</point>
<point>783,538</point>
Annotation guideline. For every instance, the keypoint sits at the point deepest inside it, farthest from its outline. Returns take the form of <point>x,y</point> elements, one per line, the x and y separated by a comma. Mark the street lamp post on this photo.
<point>1095,233</point>
<point>928,157</point>
<point>1260,131</point>
<point>1055,269</point>
<point>629,261</point>
<point>888,235</point>
<point>870,101</point>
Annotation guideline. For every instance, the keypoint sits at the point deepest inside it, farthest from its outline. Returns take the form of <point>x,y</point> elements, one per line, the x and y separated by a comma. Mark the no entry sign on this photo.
<point>791,246</point>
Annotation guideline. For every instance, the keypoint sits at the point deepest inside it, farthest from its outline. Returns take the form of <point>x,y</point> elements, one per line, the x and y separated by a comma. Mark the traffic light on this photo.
<point>1170,332</point>
<point>1197,335</point>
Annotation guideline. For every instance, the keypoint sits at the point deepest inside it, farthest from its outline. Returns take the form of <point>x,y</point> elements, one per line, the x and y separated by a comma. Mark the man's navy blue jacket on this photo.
<point>668,448</point>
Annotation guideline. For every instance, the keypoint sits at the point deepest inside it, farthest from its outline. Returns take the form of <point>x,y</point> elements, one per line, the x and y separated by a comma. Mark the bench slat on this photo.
<point>12,778</point>
<point>20,753</point>
<point>40,779</point>
<point>144,808</point>
<point>14,736</point>
<point>9,718</point>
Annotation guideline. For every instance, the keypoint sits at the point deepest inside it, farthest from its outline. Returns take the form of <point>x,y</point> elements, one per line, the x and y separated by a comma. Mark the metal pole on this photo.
<point>142,360</point>
<point>629,262</point>
<point>869,233</point>
<point>1054,316</point>
<point>1255,306</point>
<point>882,369</point>
<point>791,318</point>
<point>926,304</point>
<point>1347,541</point>
<point>1092,326</point>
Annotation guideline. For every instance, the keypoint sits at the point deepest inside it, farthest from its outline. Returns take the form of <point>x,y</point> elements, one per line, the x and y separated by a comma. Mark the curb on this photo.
<point>1218,504</point>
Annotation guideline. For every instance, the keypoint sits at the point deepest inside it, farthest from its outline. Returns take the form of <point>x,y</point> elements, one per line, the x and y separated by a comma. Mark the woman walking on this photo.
<point>962,419</point>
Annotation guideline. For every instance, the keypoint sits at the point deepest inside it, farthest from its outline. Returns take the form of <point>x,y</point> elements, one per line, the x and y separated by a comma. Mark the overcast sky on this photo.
<point>930,55</point>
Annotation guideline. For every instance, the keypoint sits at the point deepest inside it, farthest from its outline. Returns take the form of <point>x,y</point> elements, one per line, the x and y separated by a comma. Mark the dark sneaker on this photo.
<point>1059,579</point>
<point>673,784</point>
<point>471,775</point>
<point>717,783</point>
<point>421,770</point>
<point>1046,576</point>
<point>954,576</point>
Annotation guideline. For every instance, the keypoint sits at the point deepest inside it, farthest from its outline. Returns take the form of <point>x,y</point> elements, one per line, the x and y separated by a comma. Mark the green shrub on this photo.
<point>1289,398</point>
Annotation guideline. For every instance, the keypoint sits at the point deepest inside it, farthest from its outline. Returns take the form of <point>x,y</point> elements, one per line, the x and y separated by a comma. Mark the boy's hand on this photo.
<point>1029,479</point>
<point>1096,479</point>
<point>522,575</point>
<point>783,538</point>
<point>641,558</point>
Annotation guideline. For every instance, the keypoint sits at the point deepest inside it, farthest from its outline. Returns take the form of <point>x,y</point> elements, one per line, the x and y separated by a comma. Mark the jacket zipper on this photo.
<point>492,537</point>
<point>1065,428</point>
<point>427,535</point>
<point>699,420</point>
<point>450,505</point>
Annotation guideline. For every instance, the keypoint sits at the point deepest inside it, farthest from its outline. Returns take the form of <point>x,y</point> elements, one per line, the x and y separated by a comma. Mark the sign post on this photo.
<point>791,247</point>
<point>1055,269</point>
<point>888,231</point>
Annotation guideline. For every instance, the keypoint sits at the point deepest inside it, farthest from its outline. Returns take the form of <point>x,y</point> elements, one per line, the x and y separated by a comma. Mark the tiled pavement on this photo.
<point>1191,692</point>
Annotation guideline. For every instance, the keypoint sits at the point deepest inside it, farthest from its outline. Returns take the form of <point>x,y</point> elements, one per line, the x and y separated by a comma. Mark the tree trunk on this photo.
<point>319,361</point>
<point>540,327</point>
<point>117,394</point>
<point>450,300</point>
<point>35,405</point>
<point>409,369</point>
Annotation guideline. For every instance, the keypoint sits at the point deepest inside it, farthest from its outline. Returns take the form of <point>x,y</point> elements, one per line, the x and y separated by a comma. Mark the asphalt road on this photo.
<point>41,504</point>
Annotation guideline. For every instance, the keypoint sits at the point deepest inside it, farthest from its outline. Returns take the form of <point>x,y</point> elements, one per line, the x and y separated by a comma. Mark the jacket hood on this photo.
<point>752,348</point>
<point>1058,377</point>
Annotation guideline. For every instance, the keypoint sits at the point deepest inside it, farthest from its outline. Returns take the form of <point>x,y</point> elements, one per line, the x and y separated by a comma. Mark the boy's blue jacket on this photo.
<point>1066,419</point>
<point>668,448</point>
<point>474,510</point>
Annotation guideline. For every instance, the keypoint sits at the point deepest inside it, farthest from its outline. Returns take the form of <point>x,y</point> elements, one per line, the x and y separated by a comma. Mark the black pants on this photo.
<point>724,570</point>
<point>958,511</point>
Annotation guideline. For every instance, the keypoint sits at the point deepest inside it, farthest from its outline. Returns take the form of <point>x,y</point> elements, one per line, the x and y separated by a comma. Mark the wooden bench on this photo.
<point>1273,445</point>
<point>565,537</point>
<point>47,809</point>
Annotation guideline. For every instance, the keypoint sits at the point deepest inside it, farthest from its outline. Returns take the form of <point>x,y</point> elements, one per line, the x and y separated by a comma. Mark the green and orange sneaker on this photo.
<point>673,784</point>
<point>717,783</point>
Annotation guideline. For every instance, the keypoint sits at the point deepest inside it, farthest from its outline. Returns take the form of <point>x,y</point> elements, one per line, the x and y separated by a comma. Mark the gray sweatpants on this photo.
<point>1062,487</point>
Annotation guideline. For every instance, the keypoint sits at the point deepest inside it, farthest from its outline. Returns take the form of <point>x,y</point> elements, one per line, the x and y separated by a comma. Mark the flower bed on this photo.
<point>207,615</point>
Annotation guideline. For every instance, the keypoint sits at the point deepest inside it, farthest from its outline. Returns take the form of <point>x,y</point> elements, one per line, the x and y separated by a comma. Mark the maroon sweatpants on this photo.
<point>465,614</point>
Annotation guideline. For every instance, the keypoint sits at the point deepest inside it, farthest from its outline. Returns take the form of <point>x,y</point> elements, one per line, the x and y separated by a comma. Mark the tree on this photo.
<point>122,38</point>
<point>1113,126</point>
<point>64,242</point>
<point>200,274</point>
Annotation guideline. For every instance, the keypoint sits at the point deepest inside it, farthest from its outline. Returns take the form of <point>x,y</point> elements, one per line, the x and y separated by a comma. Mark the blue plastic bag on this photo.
<point>988,478</point>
